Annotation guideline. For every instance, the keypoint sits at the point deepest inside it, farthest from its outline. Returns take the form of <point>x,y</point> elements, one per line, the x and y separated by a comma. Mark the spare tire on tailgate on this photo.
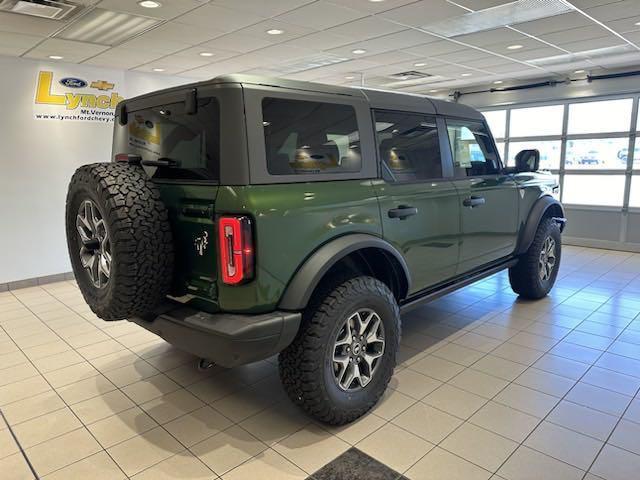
<point>119,239</point>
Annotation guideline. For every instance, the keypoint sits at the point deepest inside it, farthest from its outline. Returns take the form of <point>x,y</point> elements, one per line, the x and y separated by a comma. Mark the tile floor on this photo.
<point>487,387</point>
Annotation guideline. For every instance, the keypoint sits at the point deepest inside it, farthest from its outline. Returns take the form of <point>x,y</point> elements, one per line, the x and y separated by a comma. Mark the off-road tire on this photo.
<point>140,236</point>
<point>306,367</point>
<point>525,275</point>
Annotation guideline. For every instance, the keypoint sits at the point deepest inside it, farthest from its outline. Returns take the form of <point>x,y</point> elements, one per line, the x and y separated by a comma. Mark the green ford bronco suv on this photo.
<point>243,217</point>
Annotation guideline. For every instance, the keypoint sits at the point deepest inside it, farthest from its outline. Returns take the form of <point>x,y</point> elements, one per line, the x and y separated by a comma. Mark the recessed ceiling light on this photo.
<point>349,77</point>
<point>433,91</point>
<point>419,64</point>
<point>358,51</point>
<point>497,82</point>
<point>56,57</point>
<point>206,54</point>
<point>149,4</point>
<point>275,31</point>
<point>466,74</point>
<point>578,71</point>
<point>376,1</point>
<point>158,69</point>
<point>514,47</point>
<point>637,23</point>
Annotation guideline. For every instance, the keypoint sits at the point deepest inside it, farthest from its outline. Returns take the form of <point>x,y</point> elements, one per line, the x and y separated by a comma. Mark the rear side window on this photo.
<point>191,143</point>
<point>472,149</point>
<point>304,137</point>
<point>409,146</point>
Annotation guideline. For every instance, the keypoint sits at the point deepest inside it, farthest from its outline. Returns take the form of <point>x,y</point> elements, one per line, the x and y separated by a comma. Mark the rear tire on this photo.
<point>333,327</point>
<point>115,219</point>
<point>535,273</point>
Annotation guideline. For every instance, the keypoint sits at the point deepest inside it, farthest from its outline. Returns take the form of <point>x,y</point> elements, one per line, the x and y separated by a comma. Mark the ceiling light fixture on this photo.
<point>579,71</point>
<point>56,57</point>
<point>149,4</point>
<point>358,51</point>
<point>376,1</point>
<point>158,69</point>
<point>497,82</point>
<point>637,23</point>
<point>466,74</point>
<point>349,77</point>
<point>514,47</point>
<point>433,91</point>
<point>206,54</point>
<point>419,64</point>
<point>275,31</point>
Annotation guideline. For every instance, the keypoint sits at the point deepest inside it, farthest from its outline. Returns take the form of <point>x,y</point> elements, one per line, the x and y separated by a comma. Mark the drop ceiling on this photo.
<point>453,43</point>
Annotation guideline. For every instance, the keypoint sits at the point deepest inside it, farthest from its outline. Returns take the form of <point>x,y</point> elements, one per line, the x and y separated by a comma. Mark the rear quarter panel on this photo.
<point>290,222</point>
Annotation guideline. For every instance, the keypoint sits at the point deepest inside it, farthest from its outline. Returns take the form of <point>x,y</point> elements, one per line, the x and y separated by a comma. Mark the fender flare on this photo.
<point>536,213</point>
<point>306,279</point>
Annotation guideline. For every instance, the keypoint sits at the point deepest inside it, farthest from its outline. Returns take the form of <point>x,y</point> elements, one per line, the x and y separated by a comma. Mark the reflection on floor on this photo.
<point>488,386</point>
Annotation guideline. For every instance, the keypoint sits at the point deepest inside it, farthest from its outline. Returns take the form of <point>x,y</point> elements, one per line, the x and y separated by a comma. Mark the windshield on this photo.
<point>189,142</point>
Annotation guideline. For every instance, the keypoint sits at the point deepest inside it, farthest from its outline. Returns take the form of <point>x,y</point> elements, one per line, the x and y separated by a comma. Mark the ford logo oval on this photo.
<point>73,82</point>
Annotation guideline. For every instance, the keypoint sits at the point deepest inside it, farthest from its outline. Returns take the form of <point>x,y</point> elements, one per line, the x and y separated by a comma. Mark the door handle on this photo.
<point>473,201</point>
<point>402,212</point>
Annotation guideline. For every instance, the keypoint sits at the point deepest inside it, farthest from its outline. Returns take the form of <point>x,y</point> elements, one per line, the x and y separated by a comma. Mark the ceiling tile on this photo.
<point>625,25</point>
<point>122,57</point>
<point>481,4</point>
<point>219,18</point>
<point>394,41</point>
<point>576,34</point>
<point>423,12</point>
<point>168,10</point>
<point>436,48</point>
<point>323,40</point>
<point>264,8</point>
<point>615,11</point>
<point>536,53</point>
<point>182,33</point>
<point>553,24</point>
<point>321,15</point>
<point>72,51</point>
<point>238,42</point>
<point>372,7</point>
<point>281,53</point>
<point>157,46</point>
<point>194,52</point>
<point>13,22</point>
<point>18,40</point>
<point>289,31</point>
<point>499,35</point>
<point>173,64</point>
<point>365,28</point>
<point>394,57</point>
<point>593,44</point>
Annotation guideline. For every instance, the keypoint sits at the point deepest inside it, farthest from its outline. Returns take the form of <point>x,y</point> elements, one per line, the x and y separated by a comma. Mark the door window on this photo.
<point>471,149</point>
<point>304,137</point>
<point>409,146</point>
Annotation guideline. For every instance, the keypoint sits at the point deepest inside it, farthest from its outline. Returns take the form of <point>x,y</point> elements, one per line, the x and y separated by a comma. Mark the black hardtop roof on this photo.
<point>442,107</point>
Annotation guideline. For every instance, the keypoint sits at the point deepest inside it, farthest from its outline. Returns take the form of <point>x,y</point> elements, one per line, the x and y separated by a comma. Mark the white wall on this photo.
<point>37,159</point>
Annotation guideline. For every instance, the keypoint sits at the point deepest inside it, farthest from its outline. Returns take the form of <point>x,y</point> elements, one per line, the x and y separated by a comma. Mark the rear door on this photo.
<point>487,197</point>
<point>186,146</point>
<point>419,205</point>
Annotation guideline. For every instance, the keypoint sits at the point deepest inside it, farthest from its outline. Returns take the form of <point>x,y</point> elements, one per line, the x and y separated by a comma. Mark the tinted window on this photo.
<point>409,146</point>
<point>310,137</point>
<point>167,132</point>
<point>472,149</point>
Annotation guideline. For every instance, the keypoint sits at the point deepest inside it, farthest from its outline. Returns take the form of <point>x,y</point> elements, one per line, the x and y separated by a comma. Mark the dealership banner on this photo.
<point>75,97</point>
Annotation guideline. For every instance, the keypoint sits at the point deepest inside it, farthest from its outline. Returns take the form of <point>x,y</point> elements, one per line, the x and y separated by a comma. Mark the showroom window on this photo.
<point>409,146</point>
<point>304,137</point>
<point>587,144</point>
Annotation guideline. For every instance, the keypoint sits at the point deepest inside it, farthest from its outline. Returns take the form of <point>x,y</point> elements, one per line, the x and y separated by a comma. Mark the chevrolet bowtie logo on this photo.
<point>102,85</point>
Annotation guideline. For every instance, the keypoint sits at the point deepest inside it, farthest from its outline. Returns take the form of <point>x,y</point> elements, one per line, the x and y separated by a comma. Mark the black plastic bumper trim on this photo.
<point>225,339</point>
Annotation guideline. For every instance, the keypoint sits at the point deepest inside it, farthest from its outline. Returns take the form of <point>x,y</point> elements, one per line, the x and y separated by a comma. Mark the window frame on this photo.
<point>630,172</point>
<point>445,161</point>
<point>258,171</point>
<point>500,164</point>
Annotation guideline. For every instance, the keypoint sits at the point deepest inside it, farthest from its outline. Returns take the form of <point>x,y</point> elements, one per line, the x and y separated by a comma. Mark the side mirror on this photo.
<point>527,161</point>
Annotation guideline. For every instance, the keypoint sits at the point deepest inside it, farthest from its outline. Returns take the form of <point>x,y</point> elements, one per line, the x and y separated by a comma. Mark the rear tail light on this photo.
<point>235,242</point>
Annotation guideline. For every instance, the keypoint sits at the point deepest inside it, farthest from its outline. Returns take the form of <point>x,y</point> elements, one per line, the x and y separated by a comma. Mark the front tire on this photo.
<point>343,356</point>
<point>535,273</point>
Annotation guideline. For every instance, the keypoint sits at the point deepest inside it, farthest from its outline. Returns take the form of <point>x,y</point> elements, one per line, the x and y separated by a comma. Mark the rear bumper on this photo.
<point>225,339</point>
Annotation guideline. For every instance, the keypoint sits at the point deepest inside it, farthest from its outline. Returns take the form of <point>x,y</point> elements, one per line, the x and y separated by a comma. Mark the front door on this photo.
<point>419,207</point>
<point>488,198</point>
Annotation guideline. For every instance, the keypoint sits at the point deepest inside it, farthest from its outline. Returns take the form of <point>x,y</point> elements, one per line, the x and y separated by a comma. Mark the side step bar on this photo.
<point>430,295</point>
